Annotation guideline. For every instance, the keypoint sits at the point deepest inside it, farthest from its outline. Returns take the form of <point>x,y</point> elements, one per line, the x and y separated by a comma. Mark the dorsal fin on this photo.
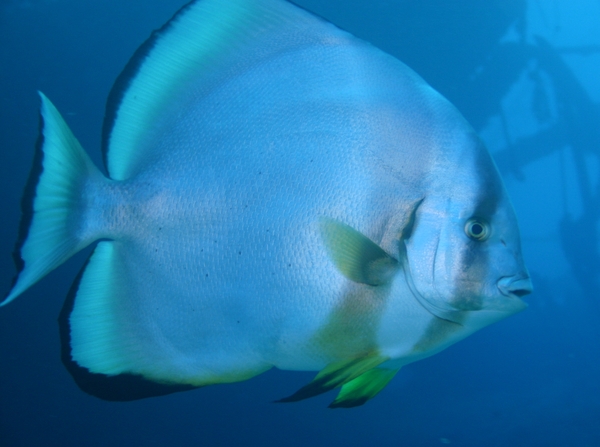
<point>200,45</point>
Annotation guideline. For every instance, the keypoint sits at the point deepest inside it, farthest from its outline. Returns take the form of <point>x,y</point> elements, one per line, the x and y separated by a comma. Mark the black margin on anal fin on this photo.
<point>122,387</point>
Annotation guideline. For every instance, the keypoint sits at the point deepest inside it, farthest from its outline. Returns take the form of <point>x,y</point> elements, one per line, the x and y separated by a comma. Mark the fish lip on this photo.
<point>515,287</point>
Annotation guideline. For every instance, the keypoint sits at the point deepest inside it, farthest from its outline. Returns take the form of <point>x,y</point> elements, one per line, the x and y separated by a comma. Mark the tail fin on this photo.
<point>51,202</point>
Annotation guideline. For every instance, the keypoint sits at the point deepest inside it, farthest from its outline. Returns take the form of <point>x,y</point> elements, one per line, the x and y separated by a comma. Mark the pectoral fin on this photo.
<point>356,256</point>
<point>336,374</point>
<point>362,388</point>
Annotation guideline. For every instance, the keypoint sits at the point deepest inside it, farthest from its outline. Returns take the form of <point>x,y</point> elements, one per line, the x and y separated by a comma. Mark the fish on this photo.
<point>278,194</point>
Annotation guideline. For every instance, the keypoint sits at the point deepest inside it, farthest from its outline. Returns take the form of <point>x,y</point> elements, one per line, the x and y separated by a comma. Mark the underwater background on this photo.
<point>526,75</point>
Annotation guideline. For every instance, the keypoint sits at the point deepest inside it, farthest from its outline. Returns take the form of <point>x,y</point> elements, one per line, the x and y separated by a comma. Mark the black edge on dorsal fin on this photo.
<point>124,79</point>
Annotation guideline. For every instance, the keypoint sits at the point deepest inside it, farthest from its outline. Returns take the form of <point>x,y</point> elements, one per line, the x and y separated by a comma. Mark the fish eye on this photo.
<point>477,229</point>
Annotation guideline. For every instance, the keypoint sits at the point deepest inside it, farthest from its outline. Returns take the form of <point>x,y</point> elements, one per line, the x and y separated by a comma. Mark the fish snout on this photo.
<point>515,286</point>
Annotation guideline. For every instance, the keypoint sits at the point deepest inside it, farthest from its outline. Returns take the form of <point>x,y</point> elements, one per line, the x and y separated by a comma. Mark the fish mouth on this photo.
<point>515,286</point>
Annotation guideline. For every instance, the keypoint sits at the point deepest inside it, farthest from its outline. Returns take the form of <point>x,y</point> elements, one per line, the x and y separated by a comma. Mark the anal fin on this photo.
<point>101,347</point>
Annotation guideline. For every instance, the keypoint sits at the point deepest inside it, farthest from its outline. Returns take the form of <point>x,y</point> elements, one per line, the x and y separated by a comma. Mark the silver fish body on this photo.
<point>281,194</point>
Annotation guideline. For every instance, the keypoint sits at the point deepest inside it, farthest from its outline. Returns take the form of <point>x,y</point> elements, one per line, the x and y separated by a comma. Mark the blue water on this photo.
<point>524,73</point>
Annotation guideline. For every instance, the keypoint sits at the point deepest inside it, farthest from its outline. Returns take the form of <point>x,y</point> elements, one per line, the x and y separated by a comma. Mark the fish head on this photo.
<point>463,256</point>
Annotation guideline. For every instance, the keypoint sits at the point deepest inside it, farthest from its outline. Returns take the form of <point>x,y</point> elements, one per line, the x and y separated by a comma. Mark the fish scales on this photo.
<point>280,194</point>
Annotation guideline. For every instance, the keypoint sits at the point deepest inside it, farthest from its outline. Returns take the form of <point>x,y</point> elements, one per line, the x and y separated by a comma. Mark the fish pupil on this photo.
<point>476,229</point>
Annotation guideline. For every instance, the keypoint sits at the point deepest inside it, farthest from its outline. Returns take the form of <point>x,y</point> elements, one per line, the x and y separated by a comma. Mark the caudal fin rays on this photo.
<point>51,203</point>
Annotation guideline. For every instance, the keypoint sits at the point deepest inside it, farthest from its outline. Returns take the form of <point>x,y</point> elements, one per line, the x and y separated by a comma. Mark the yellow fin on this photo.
<point>336,374</point>
<point>356,256</point>
<point>364,387</point>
